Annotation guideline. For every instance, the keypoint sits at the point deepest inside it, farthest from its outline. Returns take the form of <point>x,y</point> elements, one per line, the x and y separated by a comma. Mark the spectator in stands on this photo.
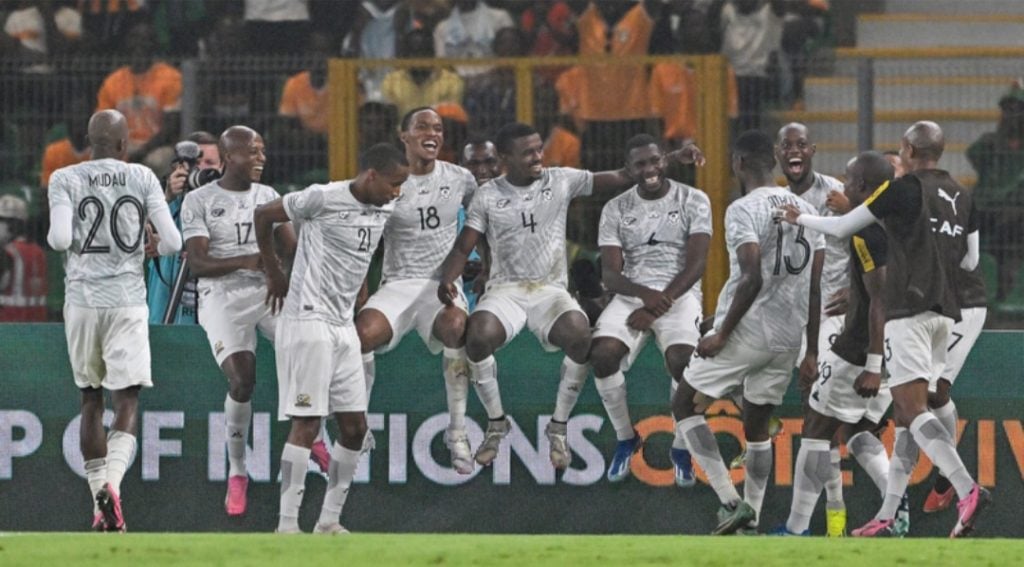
<point>803,24</point>
<point>275,27</point>
<point>106,23</point>
<point>613,99</point>
<point>491,101</point>
<point>468,33</point>
<point>378,122</point>
<point>228,98</point>
<point>698,31</point>
<point>998,157</point>
<point>420,86</point>
<point>303,113</point>
<point>455,122</point>
<point>374,36</point>
<point>421,15</point>
<point>148,93</point>
<point>751,38</point>
<point>162,270</point>
<point>72,148</point>
<point>549,29</point>
<point>22,266</point>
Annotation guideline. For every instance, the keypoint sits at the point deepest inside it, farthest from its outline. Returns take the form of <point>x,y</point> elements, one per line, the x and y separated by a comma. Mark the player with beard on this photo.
<point>523,216</point>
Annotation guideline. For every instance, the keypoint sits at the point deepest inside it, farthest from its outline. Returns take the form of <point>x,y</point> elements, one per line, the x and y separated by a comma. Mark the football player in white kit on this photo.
<point>654,242</point>
<point>216,221</point>
<point>418,235</point>
<point>522,214</point>
<point>319,366</point>
<point>849,369</point>
<point>770,298</point>
<point>795,152</point>
<point>97,212</point>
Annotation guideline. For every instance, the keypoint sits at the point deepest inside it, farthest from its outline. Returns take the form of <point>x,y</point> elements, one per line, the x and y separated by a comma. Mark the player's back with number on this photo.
<point>110,201</point>
<point>776,319</point>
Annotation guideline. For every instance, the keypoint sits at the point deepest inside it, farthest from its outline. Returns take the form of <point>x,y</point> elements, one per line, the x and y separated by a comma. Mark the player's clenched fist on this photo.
<point>447,292</point>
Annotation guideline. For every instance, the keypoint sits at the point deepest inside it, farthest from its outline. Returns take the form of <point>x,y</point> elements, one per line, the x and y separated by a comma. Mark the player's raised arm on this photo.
<point>615,181</point>
<point>264,218</point>
<point>455,262</point>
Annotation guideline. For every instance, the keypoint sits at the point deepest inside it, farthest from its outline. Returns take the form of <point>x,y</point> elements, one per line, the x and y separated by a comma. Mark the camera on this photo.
<point>189,153</point>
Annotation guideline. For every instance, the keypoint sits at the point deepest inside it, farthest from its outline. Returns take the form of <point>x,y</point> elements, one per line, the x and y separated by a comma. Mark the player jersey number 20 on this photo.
<point>791,267</point>
<point>126,243</point>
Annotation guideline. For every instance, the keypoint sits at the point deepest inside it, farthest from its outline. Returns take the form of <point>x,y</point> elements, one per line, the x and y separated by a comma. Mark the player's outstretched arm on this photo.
<point>657,302</point>
<point>842,227</point>
<point>696,260</point>
<point>748,256</point>
<point>616,181</point>
<point>870,380</point>
<point>264,218</point>
<point>170,238</point>
<point>454,263</point>
<point>809,365</point>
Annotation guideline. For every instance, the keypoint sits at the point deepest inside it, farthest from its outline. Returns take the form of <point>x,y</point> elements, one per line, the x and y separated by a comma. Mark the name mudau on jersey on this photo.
<point>106,179</point>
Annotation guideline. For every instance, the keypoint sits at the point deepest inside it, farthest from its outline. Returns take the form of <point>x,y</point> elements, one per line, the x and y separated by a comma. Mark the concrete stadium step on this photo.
<point>938,30</point>
<point>954,7</point>
<point>929,62</point>
<point>908,93</point>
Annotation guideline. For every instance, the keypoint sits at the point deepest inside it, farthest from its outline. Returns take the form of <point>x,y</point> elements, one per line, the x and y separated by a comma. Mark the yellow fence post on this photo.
<point>343,137</point>
<point>714,177</point>
<point>524,91</point>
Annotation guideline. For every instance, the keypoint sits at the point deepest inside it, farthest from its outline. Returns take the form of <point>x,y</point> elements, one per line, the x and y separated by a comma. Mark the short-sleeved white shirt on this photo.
<point>776,320</point>
<point>423,227</point>
<point>653,233</point>
<point>337,238</point>
<point>226,218</point>
<point>525,226</point>
<point>110,201</point>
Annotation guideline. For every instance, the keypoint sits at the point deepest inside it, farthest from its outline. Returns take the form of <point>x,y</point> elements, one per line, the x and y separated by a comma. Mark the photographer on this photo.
<point>196,163</point>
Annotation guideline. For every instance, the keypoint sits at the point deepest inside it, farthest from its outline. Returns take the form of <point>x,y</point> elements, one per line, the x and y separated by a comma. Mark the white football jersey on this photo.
<point>653,233</point>
<point>834,274</point>
<point>423,227</point>
<point>110,201</point>
<point>337,239</point>
<point>776,320</point>
<point>225,217</point>
<point>525,226</point>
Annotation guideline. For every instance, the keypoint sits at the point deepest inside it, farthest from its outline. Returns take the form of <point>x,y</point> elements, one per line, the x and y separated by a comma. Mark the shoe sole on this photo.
<point>984,500</point>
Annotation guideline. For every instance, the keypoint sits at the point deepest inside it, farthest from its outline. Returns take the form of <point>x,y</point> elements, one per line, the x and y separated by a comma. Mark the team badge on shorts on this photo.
<point>218,346</point>
<point>303,401</point>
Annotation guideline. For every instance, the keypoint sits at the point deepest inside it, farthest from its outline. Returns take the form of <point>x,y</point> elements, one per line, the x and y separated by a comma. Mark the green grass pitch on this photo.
<point>378,550</point>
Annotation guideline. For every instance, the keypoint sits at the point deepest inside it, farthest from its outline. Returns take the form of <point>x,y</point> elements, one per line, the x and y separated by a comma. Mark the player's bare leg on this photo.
<point>240,371</point>
<point>344,459</point>
<point>677,358</point>
<point>700,440</point>
<point>374,332</point>
<point>606,354</point>
<point>571,333</point>
<point>120,445</point>
<point>92,441</point>
<point>484,335</point>
<point>942,406</point>
<point>450,329</point>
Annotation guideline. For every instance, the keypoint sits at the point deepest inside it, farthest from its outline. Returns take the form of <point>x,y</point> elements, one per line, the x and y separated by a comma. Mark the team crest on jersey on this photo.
<point>242,204</point>
<point>446,192</point>
<point>218,212</point>
<point>546,194</point>
<point>303,401</point>
<point>653,214</point>
<point>502,203</point>
<point>343,215</point>
<point>628,221</point>
<point>673,216</point>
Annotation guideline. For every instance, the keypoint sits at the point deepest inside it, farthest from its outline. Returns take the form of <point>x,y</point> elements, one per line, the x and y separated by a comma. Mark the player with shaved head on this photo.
<point>97,212</point>
<point>217,224</point>
<point>932,237</point>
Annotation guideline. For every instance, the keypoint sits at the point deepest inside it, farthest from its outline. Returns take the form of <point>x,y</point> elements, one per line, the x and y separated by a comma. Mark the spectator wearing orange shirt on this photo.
<point>69,150</point>
<point>148,94</point>
<point>420,86</point>
<point>304,113</point>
